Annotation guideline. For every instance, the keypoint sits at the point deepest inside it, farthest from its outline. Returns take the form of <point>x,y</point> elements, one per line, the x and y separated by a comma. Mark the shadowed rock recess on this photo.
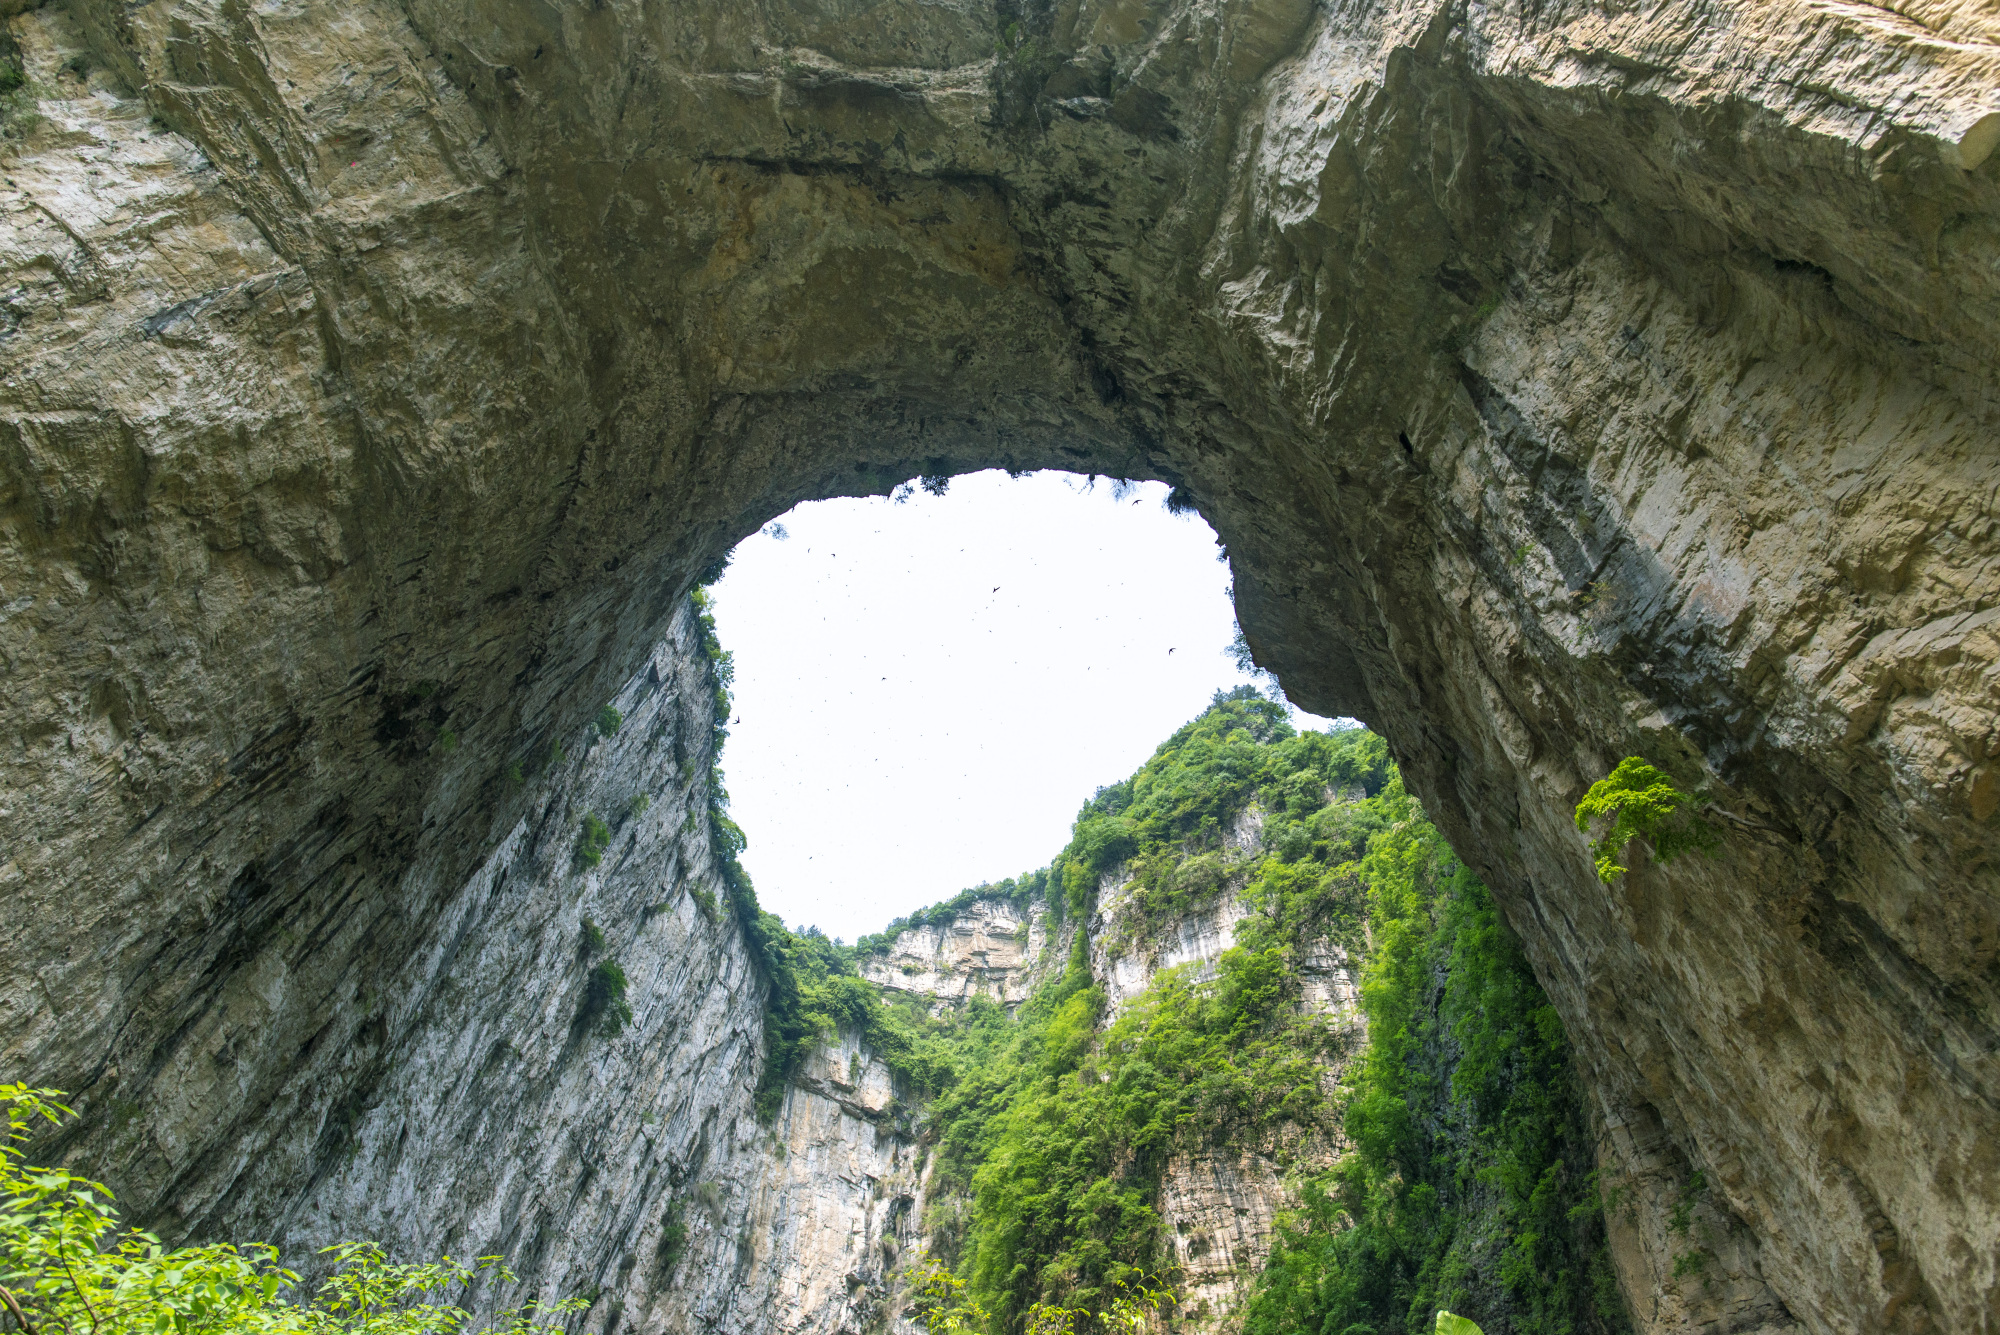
<point>1567,381</point>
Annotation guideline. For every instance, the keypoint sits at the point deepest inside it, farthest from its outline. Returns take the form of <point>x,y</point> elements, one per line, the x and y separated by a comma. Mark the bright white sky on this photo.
<point>926,692</point>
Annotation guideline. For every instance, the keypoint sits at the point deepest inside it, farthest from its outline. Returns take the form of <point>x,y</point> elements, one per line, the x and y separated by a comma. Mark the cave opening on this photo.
<point>927,684</point>
<point>1190,944</point>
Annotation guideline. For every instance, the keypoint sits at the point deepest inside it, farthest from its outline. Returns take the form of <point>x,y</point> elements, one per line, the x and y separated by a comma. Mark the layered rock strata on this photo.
<point>993,948</point>
<point>1567,382</point>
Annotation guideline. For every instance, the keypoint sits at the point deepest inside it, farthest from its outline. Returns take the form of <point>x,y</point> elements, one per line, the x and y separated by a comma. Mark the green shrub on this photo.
<point>941,1304</point>
<point>605,1011</point>
<point>515,774</point>
<point>703,900</point>
<point>673,1237</point>
<point>608,720</point>
<point>68,1265</point>
<point>593,937</point>
<point>636,805</point>
<point>1642,804</point>
<point>448,741</point>
<point>596,837</point>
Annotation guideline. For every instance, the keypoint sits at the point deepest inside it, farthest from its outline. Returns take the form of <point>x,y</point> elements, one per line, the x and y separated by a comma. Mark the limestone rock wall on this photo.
<point>992,949</point>
<point>839,1206</point>
<point>1568,381</point>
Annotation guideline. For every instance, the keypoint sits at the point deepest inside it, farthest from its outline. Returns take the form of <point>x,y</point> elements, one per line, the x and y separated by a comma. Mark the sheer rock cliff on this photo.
<point>1568,381</point>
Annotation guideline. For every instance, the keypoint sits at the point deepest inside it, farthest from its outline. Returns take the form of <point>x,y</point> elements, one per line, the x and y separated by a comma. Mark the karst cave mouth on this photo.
<point>924,689</point>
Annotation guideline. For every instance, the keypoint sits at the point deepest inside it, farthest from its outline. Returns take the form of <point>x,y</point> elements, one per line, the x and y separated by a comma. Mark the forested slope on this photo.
<point>1440,1157</point>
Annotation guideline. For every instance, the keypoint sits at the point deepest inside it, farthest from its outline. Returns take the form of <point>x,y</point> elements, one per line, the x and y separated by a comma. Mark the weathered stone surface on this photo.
<point>1567,381</point>
<point>991,949</point>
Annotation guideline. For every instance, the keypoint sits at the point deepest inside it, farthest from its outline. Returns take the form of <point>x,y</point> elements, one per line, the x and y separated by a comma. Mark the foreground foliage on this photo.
<point>67,1265</point>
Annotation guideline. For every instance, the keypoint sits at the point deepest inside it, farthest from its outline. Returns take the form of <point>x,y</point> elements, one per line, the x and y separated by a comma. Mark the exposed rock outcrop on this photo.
<point>1567,382</point>
<point>991,949</point>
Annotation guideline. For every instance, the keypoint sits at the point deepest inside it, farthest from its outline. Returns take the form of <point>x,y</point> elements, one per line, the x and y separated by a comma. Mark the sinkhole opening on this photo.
<point>928,685</point>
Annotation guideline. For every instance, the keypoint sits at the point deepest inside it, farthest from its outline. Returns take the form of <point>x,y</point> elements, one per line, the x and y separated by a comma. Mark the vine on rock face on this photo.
<point>1642,804</point>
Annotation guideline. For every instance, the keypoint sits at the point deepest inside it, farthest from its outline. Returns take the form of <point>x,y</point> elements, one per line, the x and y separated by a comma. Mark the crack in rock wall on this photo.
<point>1567,382</point>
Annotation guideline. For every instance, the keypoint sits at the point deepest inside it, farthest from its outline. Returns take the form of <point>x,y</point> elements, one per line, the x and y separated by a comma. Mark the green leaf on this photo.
<point>1447,1324</point>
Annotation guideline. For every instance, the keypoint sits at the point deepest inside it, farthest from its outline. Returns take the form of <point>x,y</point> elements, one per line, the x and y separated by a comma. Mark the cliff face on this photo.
<point>1218,1206</point>
<point>429,1068</point>
<point>991,949</point>
<point>1567,382</point>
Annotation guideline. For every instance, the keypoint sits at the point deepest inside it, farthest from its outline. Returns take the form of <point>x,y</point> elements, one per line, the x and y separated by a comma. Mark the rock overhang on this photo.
<point>1563,386</point>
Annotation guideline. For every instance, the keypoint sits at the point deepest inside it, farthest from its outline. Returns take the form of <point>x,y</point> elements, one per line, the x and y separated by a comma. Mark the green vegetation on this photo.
<point>607,721</point>
<point>595,838</point>
<point>66,1264</point>
<point>673,1237</point>
<point>448,741</point>
<point>636,805</point>
<point>1470,1181</point>
<point>593,938</point>
<point>19,104</point>
<point>942,1305</point>
<point>604,1012</point>
<point>1642,804</point>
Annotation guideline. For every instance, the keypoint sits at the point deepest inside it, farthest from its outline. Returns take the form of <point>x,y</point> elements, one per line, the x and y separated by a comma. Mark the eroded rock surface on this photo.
<point>991,949</point>
<point>1567,381</point>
